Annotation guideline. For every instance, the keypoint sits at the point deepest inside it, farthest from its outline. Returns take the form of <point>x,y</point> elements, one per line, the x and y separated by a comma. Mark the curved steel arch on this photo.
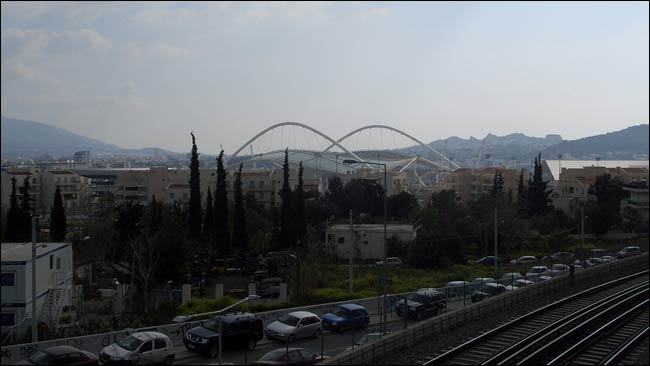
<point>392,129</point>
<point>298,124</point>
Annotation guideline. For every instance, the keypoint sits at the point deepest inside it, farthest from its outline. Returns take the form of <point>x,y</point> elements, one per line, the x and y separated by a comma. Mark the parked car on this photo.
<point>544,278</point>
<point>550,259</point>
<point>457,288</point>
<point>295,325</point>
<point>488,290</point>
<point>290,356</point>
<point>527,259</point>
<point>346,316</point>
<point>369,338</point>
<point>390,261</point>
<point>61,355</point>
<point>479,282</point>
<point>559,269</point>
<point>596,253</point>
<point>536,271</point>
<point>628,252</point>
<point>519,284</point>
<point>488,261</point>
<point>239,330</point>
<point>425,301</point>
<point>511,276</point>
<point>140,348</point>
<point>564,257</point>
<point>269,287</point>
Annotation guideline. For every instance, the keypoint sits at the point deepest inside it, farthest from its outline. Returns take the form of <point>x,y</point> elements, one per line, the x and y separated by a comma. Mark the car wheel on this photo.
<point>214,352</point>
<point>317,333</point>
<point>169,360</point>
<point>252,343</point>
<point>291,338</point>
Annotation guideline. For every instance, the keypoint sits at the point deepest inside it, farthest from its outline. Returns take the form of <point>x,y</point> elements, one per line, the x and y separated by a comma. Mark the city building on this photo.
<point>470,184</point>
<point>368,238</point>
<point>74,190</point>
<point>54,281</point>
<point>551,169</point>
<point>638,200</point>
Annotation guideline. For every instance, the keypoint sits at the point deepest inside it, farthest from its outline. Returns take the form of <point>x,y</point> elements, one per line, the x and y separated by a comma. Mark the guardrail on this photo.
<point>437,326</point>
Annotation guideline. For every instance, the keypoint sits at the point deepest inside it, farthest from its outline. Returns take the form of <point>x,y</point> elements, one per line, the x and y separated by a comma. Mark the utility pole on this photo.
<point>582,231</point>
<point>351,256</point>
<point>34,317</point>
<point>496,253</point>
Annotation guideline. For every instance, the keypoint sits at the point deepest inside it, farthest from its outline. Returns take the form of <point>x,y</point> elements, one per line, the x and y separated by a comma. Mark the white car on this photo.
<point>295,325</point>
<point>536,271</point>
<point>390,261</point>
<point>140,348</point>
<point>479,282</point>
<point>519,284</point>
<point>511,276</point>
<point>527,259</point>
<point>559,269</point>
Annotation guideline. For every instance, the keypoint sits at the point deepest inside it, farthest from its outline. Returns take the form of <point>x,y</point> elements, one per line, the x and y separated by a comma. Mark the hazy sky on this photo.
<point>145,74</point>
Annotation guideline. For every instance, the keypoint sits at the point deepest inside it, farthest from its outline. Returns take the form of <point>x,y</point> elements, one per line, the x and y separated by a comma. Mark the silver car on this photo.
<point>140,348</point>
<point>292,326</point>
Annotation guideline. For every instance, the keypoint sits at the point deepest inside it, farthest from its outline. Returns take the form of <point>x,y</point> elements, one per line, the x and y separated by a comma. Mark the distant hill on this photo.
<point>21,138</point>
<point>630,143</point>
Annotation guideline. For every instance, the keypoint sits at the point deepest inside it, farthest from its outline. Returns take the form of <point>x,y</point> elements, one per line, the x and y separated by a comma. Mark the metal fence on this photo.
<point>437,326</point>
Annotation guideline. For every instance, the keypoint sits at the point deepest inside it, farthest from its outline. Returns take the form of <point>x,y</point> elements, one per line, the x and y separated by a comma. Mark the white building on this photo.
<point>54,280</point>
<point>368,238</point>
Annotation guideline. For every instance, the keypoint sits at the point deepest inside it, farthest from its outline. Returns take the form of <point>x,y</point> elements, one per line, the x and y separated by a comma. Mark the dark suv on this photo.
<point>424,301</point>
<point>239,330</point>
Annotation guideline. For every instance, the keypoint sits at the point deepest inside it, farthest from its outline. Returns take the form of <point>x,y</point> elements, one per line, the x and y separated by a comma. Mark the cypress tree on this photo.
<point>26,199</point>
<point>208,220</point>
<point>155,220</point>
<point>195,193</point>
<point>537,193</point>
<point>286,215</point>
<point>58,225</point>
<point>14,216</point>
<point>221,209</point>
<point>239,235</point>
<point>497,186</point>
<point>301,225</point>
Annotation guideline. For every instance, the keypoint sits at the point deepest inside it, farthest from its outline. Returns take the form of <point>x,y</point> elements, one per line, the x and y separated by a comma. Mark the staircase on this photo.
<point>53,307</point>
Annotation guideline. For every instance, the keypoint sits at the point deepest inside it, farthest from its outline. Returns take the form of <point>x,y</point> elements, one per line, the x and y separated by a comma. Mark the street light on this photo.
<point>184,318</point>
<point>34,246</point>
<point>349,161</point>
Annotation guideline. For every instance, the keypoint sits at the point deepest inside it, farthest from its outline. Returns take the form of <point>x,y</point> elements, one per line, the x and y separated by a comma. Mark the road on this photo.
<point>331,343</point>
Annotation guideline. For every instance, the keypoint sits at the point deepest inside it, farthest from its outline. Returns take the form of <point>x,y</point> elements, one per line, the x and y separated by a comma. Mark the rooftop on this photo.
<point>23,251</point>
<point>554,165</point>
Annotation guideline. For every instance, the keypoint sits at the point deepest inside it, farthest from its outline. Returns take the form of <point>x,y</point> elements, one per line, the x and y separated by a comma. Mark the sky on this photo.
<point>146,74</point>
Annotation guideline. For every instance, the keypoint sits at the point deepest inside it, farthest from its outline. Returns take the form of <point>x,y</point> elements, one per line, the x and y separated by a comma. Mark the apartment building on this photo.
<point>470,184</point>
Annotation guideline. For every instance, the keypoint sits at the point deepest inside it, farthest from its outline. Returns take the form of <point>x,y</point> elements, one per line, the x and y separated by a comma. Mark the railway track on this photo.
<point>556,333</point>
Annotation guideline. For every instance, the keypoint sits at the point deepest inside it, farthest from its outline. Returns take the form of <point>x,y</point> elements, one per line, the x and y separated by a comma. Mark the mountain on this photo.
<point>22,138</point>
<point>629,143</point>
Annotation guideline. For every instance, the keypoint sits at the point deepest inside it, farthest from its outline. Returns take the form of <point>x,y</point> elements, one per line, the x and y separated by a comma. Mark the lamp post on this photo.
<point>34,318</point>
<point>184,318</point>
<point>383,319</point>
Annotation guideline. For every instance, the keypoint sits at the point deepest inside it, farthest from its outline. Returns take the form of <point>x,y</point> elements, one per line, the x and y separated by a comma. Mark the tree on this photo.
<point>286,209</point>
<point>497,185</point>
<point>336,196</point>
<point>128,225</point>
<point>239,234</point>
<point>58,225</point>
<point>221,209</point>
<point>401,205</point>
<point>145,257</point>
<point>25,211</point>
<point>537,190</point>
<point>195,193</point>
<point>522,196</point>
<point>15,220</point>
<point>155,217</point>
<point>208,220</point>
<point>301,221</point>
<point>606,212</point>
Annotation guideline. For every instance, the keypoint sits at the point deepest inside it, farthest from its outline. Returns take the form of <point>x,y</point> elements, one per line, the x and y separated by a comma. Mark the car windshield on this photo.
<point>416,297</point>
<point>537,270</point>
<point>519,283</point>
<point>129,343</point>
<point>212,324</point>
<point>42,358</point>
<point>289,320</point>
<point>489,289</point>
<point>273,355</point>
<point>341,312</point>
<point>367,338</point>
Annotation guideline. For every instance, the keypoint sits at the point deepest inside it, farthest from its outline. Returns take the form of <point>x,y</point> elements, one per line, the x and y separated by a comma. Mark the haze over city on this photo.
<point>145,74</point>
